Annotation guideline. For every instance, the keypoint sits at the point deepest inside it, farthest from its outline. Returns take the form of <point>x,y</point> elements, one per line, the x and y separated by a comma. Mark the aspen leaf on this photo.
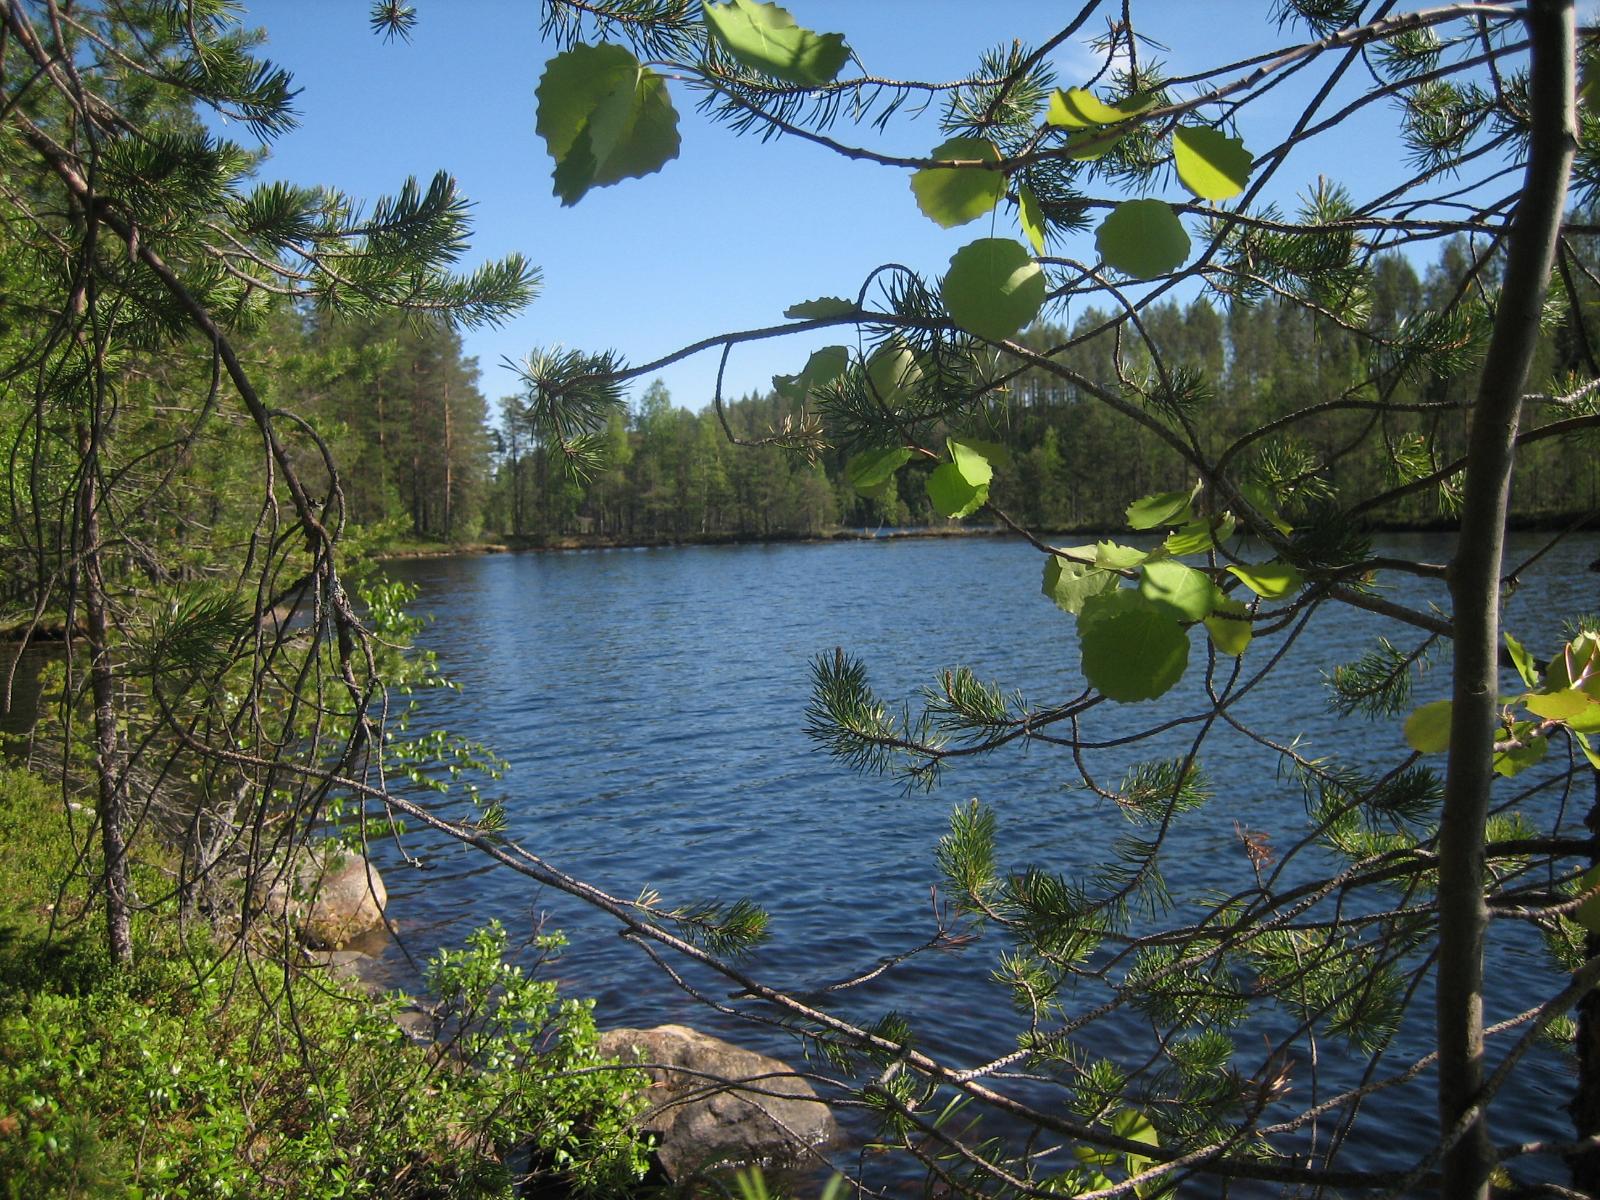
<point>993,288</point>
<point>604,118</point>
<point>1229,626</point>
<point>1070,583</point>
<point>1526,667</point>
<point>1211,164</point>
<point>1189,593</point>
<point>1199,536</point>
<point>1030,217</point>
<point>765,38</point>
<point>952,494</point>
<point>1164,508</point>
<point>1518,759</point>
<point>871,470</point>
<point>892,371</point>
<point>952,196</point>
<point>1132,649</point>
<point>1270,581</point>
<point>970,461</point>
<point>1143,238</point>
<point>1113,557</point>
<point>1427,731</point>
<point>820,309</point>
<point>822,367</point>
<point>1587,914</point>
<point>1078,108</point>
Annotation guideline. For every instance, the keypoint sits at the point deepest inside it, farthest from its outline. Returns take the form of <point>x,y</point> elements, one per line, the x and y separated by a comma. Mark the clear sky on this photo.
<point>734,230</point>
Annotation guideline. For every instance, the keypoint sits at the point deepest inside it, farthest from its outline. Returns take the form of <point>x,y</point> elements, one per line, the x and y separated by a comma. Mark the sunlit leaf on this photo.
<point>822,367</point>
<point>1119,558</point>
<point>1070,583</point>
<point>951,493</point>
<point>1199,536</point>
<point>1591,754</point>
<point>765,38</point>
<point>1526,667</point>
<point>1164,508</point>
<point>1092,144</point>
<point>1189,593</point>
<point>1211,164</point>
<point>604,118</point>
<point>1572,706</point>
<point>1229,625</point>
<point>1519,758</point>
<point>892,371</point>
<point>820,309</point>
<point>1263,502</point>
<point>1270,581</point>
<point>1077,108</point>
<point>993,288</point>
<point>1587,914</point>
<point>1031,217</point>
<point>869,471</point>
<point>953,196</point>
<point>1427,731</point>
<point>970,462</point>
<point>1133,1125</point>
<point>998,456</point>
<point>1143,238</point>
<point>1132,649</point>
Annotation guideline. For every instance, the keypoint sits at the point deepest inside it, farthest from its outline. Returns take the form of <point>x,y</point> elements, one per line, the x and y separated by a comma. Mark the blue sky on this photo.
<point>734,230</point>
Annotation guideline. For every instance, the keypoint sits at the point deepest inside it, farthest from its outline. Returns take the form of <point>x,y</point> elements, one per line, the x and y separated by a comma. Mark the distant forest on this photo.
<point>422,457</point>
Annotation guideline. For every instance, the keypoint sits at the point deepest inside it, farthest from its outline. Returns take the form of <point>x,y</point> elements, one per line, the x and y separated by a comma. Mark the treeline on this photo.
<point>403,416</point>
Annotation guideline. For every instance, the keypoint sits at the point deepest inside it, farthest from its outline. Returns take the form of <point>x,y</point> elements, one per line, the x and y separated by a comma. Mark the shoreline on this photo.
<point>1552,523</point>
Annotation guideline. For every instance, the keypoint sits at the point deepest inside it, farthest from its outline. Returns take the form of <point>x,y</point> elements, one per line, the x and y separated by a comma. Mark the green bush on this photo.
<point>199,1075</point>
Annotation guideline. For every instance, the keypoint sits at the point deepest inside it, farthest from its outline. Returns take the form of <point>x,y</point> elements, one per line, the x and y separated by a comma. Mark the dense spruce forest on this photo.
<point>425,459</point>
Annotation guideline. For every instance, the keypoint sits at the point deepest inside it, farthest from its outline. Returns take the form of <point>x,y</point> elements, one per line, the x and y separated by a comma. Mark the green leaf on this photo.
<point>1070,583</point>
<point>1427,731</point>
<point>604,118</point>
<point>1211,164</point>
<point>1132,648</point>
<point>1229,625</point>
<point>1518,759</point>
<point>1189,593</point>
<point>1143,238</point>
<point>1077,108</point>
<point>952,196</point>
<point>1136,1127</point>
<point>970,462</point>
<point>1591,754</point>
<point>997,454</point>
<point>1526,667</point>
<point>993,288</point>
<point>1263,502</point>
<point>822,367</point>
<point>1164,508</point>
<point>1573,707</point>
<point>1091,144</point>
<point>820,309</point>
<point>892,372</point>
<point>765,38</point>
<point>952,494</point>
<point>1587,914</point>
<point>1199,536</point>
<point>871,470</point>
<point>1270,581</point>
<point>1111,556</point>
<point>1031,217</point>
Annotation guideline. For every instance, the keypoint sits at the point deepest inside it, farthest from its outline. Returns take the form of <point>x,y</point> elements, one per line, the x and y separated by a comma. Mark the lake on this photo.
<point>651,705</point>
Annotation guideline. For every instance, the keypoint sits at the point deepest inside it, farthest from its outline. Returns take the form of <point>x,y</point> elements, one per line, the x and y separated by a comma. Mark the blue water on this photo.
<point>651,704</point>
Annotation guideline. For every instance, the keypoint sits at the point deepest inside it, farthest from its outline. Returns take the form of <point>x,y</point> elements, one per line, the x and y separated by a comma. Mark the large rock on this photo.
<point>713,1104</point>
<point>331,895</point>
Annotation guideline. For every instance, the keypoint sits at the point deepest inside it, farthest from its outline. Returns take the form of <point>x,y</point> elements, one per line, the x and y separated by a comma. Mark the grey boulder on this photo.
<point>714,1105</point>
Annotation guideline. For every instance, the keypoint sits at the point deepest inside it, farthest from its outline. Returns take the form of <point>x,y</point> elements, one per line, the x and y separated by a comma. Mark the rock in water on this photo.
<point>713,1104</point>
<point>332,895</point>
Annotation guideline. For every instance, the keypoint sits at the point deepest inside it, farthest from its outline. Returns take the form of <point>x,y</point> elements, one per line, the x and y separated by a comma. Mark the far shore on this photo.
<point>1569,522</point>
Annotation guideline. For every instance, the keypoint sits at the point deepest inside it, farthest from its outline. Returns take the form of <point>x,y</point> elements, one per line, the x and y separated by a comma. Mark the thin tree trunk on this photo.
<point>1585,1106</point>
<point>109,766</point>
<point>1475,590</point>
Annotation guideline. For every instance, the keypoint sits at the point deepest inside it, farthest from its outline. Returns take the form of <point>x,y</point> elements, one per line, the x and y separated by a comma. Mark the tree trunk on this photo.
<point>1475,591</point>
<point>111,808</point>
